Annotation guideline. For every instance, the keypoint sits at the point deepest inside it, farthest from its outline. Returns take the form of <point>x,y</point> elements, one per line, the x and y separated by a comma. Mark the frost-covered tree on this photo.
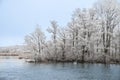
<point>63,37</point>
<point>109,16</point>
<point>82,27</point>
<point>35,41</point>
<point>73,36</point>
<point>53,30</point>
<point>116,40</point>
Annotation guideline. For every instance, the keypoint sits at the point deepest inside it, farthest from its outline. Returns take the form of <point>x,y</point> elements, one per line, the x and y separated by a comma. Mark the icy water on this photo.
<point>14,69</point>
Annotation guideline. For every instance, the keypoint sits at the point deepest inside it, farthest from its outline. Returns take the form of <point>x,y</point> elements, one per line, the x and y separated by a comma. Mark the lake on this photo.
<point>15,69</point>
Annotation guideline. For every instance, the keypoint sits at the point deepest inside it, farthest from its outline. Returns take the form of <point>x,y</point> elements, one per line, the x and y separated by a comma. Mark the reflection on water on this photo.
<point>13,69</point>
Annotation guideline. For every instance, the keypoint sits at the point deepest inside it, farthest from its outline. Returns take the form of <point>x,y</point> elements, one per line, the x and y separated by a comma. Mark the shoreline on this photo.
<point>74,62</point>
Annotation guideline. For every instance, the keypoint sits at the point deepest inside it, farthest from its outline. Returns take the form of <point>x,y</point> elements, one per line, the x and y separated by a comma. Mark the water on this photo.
<point>14,69</point>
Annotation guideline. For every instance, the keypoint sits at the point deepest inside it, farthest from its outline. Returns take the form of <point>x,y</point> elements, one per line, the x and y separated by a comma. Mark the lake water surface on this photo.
<point>14,69</point>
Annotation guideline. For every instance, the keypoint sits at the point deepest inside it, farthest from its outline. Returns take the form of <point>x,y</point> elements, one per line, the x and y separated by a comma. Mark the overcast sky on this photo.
<point>19,17</point>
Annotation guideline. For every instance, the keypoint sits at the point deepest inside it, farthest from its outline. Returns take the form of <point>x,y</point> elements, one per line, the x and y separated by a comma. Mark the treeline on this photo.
<point>8,54</point>
<point>12,49</point>
<point>92,35</point>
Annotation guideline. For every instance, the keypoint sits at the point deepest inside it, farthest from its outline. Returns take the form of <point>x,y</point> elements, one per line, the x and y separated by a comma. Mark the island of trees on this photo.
<point>92,35</point>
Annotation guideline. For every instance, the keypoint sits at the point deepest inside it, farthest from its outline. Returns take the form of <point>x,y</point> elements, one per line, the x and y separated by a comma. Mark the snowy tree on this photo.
<point>63,37</point>
<point>35,41</point>
<point>84,24</point>
<point>53,29</point>
<point>109,15</point>
<point>72,36</point>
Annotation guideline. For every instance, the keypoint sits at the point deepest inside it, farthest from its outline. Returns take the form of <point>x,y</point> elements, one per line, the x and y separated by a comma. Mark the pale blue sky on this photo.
<point>19,17</point>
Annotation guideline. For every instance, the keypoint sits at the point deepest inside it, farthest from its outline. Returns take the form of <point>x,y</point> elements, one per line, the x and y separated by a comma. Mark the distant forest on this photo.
<point>92,35</point>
